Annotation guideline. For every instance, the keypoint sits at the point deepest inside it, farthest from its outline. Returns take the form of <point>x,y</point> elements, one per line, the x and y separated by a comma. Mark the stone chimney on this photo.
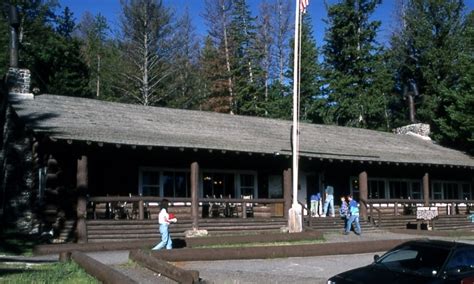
<point>18,80</point>
<point>420,130</point>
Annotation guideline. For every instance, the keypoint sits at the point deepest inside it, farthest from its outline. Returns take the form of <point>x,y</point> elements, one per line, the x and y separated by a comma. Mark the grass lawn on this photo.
<point>61,272</point>
<point>13,243</point>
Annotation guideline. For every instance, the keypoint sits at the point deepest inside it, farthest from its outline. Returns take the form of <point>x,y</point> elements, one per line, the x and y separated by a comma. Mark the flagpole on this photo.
<point>295,105</point>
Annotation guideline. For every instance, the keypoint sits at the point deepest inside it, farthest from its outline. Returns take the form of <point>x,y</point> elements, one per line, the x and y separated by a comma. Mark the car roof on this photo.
<point>437,243</point>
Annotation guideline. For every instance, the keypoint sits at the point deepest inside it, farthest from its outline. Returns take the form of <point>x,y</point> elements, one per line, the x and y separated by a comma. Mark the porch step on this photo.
<point>329,224</point>
<point>453,222</point>
<point>133,230</point>
<point>395,222</point>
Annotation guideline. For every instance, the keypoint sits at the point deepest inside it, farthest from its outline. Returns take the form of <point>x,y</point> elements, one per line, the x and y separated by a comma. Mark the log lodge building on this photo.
<point>90,156</point>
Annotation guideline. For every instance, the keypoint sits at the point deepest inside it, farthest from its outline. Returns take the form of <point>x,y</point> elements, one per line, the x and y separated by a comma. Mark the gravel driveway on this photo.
<point>283,270</point>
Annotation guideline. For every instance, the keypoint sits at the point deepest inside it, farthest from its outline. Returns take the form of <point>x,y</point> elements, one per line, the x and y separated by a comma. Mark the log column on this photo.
<point>426,189</point>
<point>363,194</point>
<point>287,191</point>
<point>194,194</point>
<point>82,183</point>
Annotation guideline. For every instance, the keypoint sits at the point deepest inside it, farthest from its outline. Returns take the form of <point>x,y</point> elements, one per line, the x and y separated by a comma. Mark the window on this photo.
<point>461,261</point>
<point>176,184</point>
<point>355,187</point>
<point>383,188</point>
<point>437,190</point>
<point>150,183</point>
<point>218,184</point>
<point>228,184</point>
<point>467,191</point>
<point>451,190</point>
<point>247,184</point>
<point>165,183</point>
<point>376,189</point>
<point>416,190</point>
<point>398,189</point>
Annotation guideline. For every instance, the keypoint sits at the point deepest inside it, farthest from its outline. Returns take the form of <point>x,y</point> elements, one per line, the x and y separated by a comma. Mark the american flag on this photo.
<point>303,5</point>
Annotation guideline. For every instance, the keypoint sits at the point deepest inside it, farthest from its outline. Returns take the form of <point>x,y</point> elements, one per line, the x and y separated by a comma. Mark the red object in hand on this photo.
<point>171,216</point>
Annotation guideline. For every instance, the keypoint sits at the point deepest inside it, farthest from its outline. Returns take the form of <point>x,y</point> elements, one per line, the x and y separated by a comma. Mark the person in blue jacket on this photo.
<point>315,200</point>
<point>353,216</point>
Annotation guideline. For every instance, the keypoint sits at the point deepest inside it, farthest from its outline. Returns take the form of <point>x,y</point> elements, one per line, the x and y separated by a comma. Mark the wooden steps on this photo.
<point>395,222</point>
<point>330,224</point>
<point>133,230</point>
<point>453,222</point>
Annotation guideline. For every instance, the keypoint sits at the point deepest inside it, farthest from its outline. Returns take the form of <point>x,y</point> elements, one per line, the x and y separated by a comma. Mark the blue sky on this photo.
<point>111,10</point>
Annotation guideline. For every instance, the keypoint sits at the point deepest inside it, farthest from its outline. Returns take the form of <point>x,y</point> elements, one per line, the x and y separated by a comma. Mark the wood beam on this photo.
<point>82,185</point>
<point>426,189</point>
<point>363,194</point>
<point>287,191</point>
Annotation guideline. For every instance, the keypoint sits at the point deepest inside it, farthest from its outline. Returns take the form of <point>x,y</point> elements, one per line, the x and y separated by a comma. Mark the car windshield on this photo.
<point>417,259</point>
<point>461,261</point>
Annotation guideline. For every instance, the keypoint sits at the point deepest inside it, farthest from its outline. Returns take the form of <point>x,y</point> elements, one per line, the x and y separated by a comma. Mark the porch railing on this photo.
<point>408,206</point>
<point>137,205</point>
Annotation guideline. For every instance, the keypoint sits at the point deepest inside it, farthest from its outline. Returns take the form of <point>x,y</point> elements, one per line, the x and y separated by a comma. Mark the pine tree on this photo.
<point>214,79</point>
<point>65,23</point>
<point>428,55</point>
<point>457,126</point>
<point>146,35</point>
<point>184,87</point>
<point>47,49</point>
<point>356,77</point>
<point>4,41</point>
<point>217,17</point>
<point>100,54</point>
<point>273,43</point>
<point>246,72</point>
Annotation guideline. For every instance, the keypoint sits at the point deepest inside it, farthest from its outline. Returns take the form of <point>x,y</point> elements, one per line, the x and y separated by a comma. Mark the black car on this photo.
<point>420,261</point>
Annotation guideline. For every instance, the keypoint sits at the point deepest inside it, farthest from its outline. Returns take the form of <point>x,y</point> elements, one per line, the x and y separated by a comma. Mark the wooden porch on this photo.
<point>268,217</point>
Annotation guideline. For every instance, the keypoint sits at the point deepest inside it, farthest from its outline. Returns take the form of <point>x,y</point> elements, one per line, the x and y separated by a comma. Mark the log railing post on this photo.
<point>141,210</point>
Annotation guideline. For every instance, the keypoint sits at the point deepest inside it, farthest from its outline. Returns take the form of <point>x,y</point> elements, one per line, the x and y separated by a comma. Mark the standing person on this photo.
<point>329,201</point>
<point>315,200</point>
<point>344,210</point>
<point>164,220</point>
<point>354,216</point>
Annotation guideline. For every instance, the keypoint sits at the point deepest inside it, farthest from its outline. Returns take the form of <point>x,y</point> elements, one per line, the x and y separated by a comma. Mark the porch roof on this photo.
<point>88,120</point>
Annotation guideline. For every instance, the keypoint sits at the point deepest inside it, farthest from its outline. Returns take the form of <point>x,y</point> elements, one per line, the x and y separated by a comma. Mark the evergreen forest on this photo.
<point>243,64</point>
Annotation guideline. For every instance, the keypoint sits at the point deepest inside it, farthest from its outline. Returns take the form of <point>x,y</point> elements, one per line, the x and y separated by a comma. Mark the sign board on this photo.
<point>426,213</point>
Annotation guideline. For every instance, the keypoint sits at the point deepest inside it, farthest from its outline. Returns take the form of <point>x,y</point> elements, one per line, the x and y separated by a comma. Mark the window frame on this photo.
<point>409,182</point>
<point>161,170</point>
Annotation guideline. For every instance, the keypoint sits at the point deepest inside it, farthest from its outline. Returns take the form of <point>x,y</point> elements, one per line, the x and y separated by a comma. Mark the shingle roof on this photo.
<point>71,118</point>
